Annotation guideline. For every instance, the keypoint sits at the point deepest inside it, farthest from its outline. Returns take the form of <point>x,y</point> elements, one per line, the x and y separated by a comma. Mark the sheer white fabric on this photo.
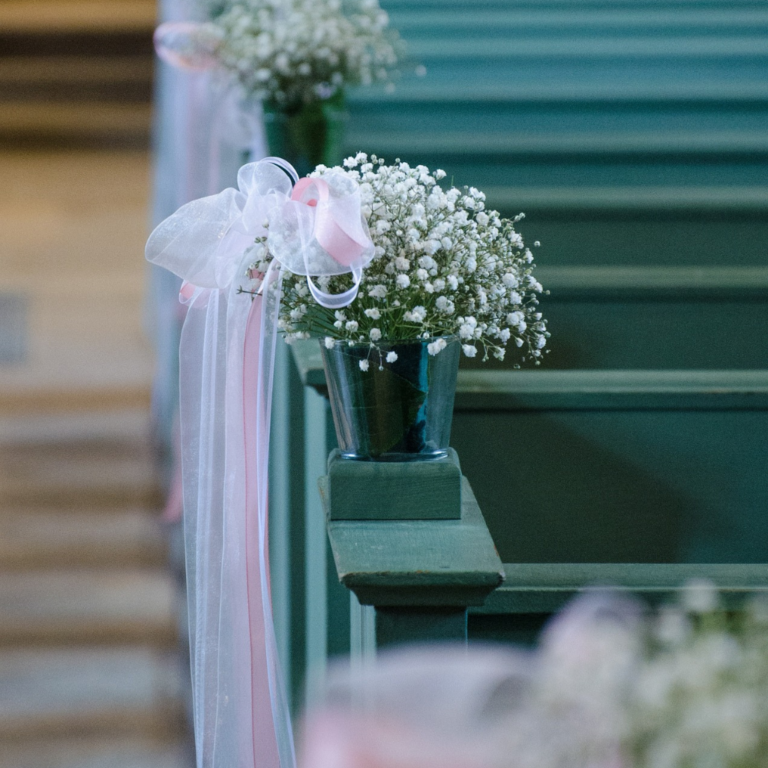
<point>226,372</point>
<point>202,131</point>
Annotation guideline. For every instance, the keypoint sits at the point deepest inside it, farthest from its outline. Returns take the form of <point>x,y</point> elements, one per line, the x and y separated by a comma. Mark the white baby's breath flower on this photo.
<point>469,350</point>
<point>329,341</point>
<point>437,346</point>
<point>452,276</point>
<point>510,280</point>
<point>363,365</point>
<point>416,315</point>
<point>391,357</point>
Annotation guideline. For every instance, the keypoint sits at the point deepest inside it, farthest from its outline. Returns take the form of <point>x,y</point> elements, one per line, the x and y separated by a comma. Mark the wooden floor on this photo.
<point>90,674</point>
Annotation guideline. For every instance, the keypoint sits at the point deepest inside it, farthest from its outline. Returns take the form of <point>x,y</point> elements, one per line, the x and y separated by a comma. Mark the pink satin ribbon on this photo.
<point>331,235</point>
<point>265,750</point>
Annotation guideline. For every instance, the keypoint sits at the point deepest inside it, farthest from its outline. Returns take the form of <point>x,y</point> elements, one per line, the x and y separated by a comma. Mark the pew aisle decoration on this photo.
<point>610,686</point>
<point>448,277</point>
<point>365,252</point>
<point>296,58</point>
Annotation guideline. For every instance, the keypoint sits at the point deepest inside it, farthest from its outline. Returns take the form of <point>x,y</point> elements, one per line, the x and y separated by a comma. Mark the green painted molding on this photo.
<point>606,199</point>
<point>546,587</point>
<point>584,389</point>
<point>416,563</point>
<point>671,46</point>
<point>517,18</point>
<point>592,144</point>
<point>473,91</point>
<point>650,283</point>
<point>648,6</point>
<point>611,390</point>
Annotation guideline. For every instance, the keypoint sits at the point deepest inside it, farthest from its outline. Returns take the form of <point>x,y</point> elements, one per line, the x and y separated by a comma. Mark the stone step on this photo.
<point>44,538</point>
<point>89,606</point>
<point>89,123</point>
<point>75,78</point>
<point>97,752</point>
<point>63,16</point>
<point>97,473</point>
<point>80,692</point>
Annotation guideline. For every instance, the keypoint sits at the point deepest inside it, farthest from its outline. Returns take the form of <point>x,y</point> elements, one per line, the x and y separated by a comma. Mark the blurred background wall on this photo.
<point>89,673</point>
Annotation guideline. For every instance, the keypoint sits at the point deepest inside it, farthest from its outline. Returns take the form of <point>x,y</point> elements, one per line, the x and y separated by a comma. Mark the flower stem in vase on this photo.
<point>308,134</point>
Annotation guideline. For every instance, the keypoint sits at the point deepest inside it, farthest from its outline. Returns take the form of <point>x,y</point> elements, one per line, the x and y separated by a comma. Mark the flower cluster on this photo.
<point>610,685</point>
<point>443,266</point>
<point>688,687</point>
<point>293,52</point>
<point>701,697</point>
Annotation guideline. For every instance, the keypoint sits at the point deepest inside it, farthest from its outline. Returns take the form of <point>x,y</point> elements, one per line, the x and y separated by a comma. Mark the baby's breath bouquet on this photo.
<point>444,266</point>
<point>294,52</point>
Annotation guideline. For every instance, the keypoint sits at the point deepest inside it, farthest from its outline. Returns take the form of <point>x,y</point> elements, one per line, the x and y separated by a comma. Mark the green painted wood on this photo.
<point>413,563</point>
<point>395,626</point>
<point>388,490</point>
<point>339,618</point>
<point>362,635</point>
<point>309,364</point>
<point>532,593</point>
<point>297,536</point>
<point>633,135</point>
<point>629,132</point>
<point>315,555</point>
<point>280,515</point>
<point>621,485</point>
<point>649,283</point>
<point>544,588</point>
<point>648,238</point>
<point>484,388</point>
<point>592,391</point>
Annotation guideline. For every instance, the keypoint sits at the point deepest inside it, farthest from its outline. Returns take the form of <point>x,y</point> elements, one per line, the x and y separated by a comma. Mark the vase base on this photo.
<point>393,457</point>
<point>395,490</point>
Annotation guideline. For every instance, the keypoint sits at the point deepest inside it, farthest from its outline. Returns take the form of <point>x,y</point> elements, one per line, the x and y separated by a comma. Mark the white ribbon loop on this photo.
<point>315,228</point>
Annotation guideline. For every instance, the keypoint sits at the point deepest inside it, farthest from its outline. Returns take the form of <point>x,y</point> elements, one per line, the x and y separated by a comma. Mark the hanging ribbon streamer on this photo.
<point>226,369</point>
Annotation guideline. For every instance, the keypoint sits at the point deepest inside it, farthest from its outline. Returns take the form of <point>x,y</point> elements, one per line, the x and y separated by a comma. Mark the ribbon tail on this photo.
<point>272,733</point>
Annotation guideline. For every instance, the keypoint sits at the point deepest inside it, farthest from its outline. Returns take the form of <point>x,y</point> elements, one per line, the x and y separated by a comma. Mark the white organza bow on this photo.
<point>313,228</point>
<point>226,357</point>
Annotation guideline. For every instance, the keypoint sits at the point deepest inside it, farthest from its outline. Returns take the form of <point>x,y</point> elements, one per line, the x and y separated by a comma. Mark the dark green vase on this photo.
<point>307,135</point>
<point>397,411</point>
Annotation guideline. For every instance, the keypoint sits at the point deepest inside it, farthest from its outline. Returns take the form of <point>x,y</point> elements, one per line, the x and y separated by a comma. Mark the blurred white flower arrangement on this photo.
<point>443,266</point>
<point>686,687</point>
<point>294,52</point>
<point>609,686</point>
